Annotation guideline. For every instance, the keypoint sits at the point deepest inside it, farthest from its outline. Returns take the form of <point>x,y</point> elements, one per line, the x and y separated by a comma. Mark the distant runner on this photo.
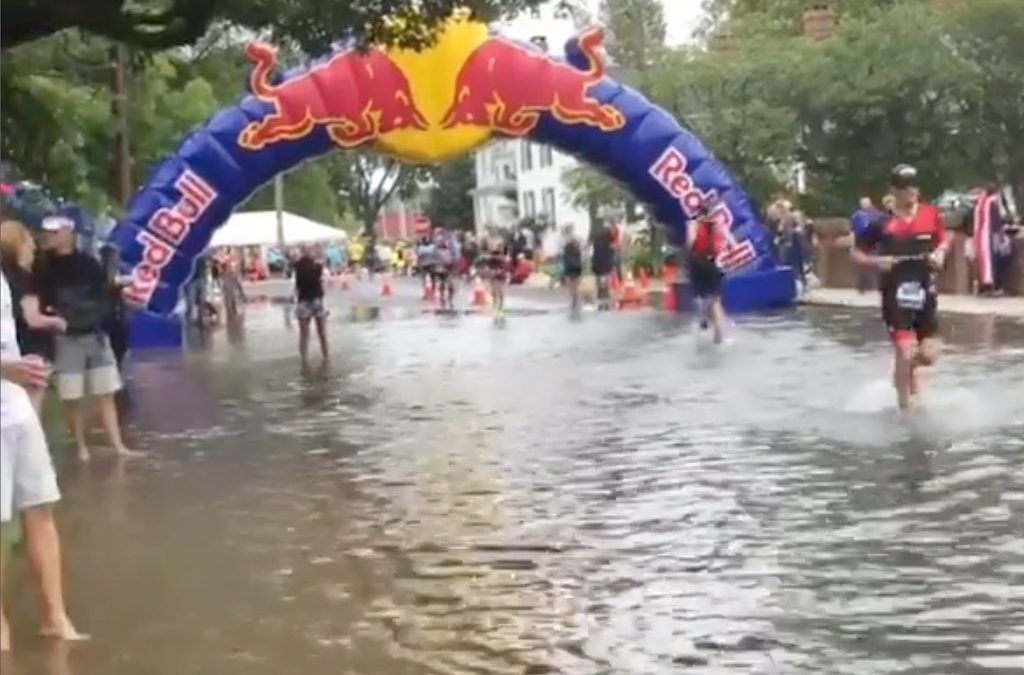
<point>444,270</point>
<point>908,247</point>
<point>704,241</point>
<point>494,264</point>
<point>572,268</point>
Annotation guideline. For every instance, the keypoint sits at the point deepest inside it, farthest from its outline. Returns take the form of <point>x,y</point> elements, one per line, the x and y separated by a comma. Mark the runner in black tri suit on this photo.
<point>493,265</point>
<point>572,268</point>
<point>908,246</point>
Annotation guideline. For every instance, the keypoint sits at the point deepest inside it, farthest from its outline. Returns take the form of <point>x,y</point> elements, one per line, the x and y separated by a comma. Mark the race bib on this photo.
<point>911,295</point>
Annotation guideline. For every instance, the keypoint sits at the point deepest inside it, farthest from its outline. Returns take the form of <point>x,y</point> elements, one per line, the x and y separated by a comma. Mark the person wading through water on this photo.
<point>704,241</point>
<point>908,247</point>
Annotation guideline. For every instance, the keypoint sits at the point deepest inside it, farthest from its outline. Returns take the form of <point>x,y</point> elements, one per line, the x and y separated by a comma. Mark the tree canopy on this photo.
<point>313,24</point>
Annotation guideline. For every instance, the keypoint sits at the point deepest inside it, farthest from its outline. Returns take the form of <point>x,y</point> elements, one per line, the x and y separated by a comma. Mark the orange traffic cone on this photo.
<point>479,293</point>
<point>668,297</point>
<point>645,279</point>
<point>630,294</point>
<point>386,291</point>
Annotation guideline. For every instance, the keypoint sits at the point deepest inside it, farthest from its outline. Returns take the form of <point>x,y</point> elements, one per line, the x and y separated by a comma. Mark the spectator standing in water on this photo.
<point>28,484</point>
<point>309,297</point>
<point>35,330</point>
<point>195,292</point>
<point>75,286</point>
<point>602,263</point>
<point>231,290</point>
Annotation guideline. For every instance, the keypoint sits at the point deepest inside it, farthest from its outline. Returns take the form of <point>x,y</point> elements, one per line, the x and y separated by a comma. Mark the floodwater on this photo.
<point>611,496</point>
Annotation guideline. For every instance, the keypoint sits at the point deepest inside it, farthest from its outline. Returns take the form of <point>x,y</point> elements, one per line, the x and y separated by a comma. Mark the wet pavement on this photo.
<point>606,496</point>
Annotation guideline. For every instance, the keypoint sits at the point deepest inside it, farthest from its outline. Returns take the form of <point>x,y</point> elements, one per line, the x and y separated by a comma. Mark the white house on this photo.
<point>542,192</point>
<point>495,195</point>
<point>518,179</point>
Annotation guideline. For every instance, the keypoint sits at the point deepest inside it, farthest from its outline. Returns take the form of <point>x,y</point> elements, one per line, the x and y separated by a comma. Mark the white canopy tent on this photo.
<point>259,228</point>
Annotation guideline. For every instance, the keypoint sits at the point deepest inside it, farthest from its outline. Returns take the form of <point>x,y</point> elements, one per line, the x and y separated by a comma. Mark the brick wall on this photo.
<point>833,266</point>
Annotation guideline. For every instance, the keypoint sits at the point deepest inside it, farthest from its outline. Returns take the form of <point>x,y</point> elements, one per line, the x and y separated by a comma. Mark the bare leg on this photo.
<point>76,421</point>
<point>304,340</point>
<point>112,425</point>
<point>716,313</point>
<point>5,630</point>
<point>903,374</point>
<point>42,545</point>
<point>321,333</point>
<point>925,356</point>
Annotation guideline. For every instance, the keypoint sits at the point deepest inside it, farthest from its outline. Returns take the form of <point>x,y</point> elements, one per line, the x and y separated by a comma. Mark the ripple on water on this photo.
<point>599,497</point>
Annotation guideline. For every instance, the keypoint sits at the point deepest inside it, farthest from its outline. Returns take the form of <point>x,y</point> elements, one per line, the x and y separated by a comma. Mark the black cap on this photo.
<point>903,176</point>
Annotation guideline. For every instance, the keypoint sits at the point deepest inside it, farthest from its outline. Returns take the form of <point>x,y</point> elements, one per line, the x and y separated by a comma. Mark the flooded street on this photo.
<point>611,496</point>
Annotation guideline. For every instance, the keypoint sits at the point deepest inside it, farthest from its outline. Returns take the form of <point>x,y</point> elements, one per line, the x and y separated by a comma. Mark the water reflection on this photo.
<point>600,497</point>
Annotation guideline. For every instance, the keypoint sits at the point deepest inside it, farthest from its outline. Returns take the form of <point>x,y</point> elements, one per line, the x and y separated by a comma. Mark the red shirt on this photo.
<point>707,240</point>
<point>898,236</point>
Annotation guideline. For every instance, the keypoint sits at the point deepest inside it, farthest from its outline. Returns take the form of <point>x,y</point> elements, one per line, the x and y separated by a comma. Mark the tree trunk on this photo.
<point>122,164</point>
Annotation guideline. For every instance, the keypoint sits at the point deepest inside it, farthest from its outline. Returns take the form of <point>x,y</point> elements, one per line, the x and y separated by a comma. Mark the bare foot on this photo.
<point>5,637</point>
<point>83,454</point>
<point>61,629</point>
<point>126,453</point>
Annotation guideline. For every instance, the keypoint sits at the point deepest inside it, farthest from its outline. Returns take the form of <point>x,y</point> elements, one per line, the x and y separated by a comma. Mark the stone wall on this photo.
<point>833,266</point>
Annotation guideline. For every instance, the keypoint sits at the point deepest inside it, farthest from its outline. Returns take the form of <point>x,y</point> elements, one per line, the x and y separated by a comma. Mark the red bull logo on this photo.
<point>164,232</point>
<point>508,86</point>
<point>354,96</point>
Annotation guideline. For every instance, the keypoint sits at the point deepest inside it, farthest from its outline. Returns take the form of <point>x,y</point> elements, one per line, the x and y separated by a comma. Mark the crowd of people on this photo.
<point>62,321</point>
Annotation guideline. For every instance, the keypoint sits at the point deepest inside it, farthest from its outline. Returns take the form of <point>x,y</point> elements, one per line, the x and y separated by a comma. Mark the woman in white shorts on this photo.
<point>28,485</point>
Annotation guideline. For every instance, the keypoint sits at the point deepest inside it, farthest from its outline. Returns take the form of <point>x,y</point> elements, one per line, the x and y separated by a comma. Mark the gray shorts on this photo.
<point>85,364</point>
<point>27,478</point>
<point>310,309</point>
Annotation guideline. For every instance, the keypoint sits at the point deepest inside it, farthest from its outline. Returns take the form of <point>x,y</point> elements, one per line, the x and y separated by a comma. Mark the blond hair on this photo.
<point>13,237</point>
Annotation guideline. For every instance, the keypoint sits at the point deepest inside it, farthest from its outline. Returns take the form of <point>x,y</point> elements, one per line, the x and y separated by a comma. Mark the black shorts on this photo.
<point>573,271</point>
<point>705,278</point>
<point>910,324</point>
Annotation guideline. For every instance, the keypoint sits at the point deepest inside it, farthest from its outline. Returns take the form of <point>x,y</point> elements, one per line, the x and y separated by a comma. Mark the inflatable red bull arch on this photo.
<point>429,106</point>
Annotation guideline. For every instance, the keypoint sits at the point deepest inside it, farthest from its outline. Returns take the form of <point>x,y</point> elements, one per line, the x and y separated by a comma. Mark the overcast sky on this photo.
<point>681,19</point>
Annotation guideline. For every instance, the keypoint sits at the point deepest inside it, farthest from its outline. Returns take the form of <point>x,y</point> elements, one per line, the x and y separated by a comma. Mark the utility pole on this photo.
<point>279,209</point>
<point>122,141</point>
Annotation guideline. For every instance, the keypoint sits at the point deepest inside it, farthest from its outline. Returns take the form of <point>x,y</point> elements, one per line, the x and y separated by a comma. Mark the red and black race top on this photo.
<point>707,240</point>
<point>900,237</point>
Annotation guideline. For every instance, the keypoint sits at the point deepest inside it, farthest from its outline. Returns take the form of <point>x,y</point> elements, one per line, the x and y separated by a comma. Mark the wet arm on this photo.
<point>34,316</point>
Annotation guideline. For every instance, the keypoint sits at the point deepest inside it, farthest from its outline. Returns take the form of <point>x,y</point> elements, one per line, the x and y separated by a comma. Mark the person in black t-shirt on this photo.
<point>309,298</point>
<point>74,286</point>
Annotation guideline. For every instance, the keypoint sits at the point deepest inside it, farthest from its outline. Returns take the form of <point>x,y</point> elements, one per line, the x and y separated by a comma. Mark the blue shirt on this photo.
<point>862,218</point>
